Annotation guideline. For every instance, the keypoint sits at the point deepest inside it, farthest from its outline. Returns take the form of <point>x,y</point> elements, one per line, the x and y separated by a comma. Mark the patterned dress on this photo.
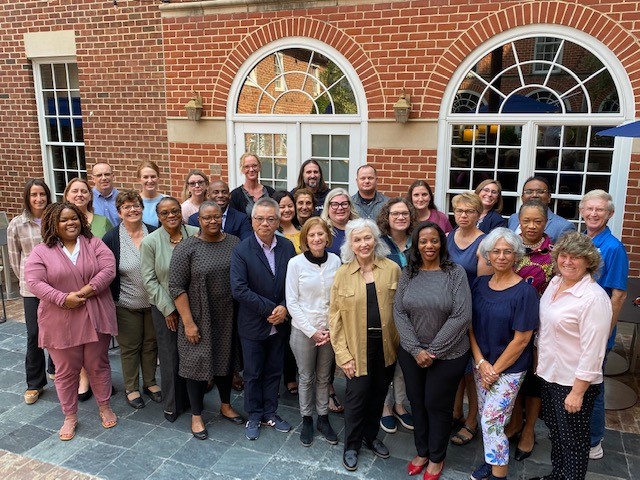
<point>201,269</point>
<point>536,267</point>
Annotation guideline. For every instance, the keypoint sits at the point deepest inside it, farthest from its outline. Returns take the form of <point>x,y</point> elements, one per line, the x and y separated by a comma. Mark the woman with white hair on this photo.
<point>504,316</point>
<point>363,334</point>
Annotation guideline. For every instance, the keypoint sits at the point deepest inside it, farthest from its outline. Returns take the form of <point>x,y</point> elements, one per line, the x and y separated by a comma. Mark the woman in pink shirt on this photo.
<point>575,316</point>
<point>70,272</point>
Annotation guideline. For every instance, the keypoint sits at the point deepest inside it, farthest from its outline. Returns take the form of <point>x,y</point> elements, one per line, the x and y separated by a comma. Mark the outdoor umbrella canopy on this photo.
<point>628,130</point>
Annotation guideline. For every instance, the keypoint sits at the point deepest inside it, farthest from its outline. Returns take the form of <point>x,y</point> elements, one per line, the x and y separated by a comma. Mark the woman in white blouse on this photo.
<point>308,286</point>
<point>575,317</point>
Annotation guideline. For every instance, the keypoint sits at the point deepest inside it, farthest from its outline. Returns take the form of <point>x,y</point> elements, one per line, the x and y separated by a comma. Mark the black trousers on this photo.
<point>364,398</point>
<point>34,361</point>
<point>432,392</point>
<point>174,391</point>
<point>569,432</point>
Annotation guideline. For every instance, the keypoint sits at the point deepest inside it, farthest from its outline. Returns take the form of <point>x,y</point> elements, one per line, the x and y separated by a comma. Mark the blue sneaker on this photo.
<point>252,430</point>
<point>483,472</point>
<point>388,424</point>
<point>274,421</point>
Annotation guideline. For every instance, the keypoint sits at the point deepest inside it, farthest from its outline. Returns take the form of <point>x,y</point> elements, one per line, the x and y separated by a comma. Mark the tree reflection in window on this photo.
<point>302,82</point>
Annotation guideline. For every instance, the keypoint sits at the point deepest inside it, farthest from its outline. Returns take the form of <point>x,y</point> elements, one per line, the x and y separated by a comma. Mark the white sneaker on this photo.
<point>596,453</point>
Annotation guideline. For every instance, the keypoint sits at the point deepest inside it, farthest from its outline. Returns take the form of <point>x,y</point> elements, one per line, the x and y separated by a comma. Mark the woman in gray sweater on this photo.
<point>432,312</point>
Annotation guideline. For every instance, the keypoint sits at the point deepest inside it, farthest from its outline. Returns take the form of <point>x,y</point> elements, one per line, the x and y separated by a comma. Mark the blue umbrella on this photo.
<point>628,130</point>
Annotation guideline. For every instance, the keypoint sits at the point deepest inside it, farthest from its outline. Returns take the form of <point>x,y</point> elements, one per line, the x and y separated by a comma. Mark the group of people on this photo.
<point>289,286</point>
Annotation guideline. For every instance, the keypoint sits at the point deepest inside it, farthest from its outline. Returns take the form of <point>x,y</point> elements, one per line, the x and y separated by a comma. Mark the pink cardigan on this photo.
<point>50,276</point>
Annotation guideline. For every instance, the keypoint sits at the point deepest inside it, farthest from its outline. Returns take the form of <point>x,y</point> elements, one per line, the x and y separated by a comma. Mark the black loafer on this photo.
<point>83,397</point>
<point>171,416</point>
<point>154,396</point>
<point>377,447</point>
<point>238,420</point>
<point>136,403</point>
<point>350,460</point>
<point>521,454</point>
<point>203,435</point>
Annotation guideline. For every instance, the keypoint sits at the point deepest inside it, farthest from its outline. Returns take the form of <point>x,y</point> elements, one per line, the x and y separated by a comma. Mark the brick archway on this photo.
<point>587,20</point>
<point>301,27</point>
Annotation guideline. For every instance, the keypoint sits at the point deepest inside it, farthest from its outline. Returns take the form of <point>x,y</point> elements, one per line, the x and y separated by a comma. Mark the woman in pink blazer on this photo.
<point>70,272</point>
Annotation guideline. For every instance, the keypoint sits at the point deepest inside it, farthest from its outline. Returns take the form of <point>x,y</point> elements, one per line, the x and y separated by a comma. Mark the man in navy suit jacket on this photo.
<point>233,222</point>
<point>258,269</point>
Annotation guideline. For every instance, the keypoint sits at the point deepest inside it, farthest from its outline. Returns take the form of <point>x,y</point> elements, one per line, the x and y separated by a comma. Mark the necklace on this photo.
<point>175,242</point>
<point>535,245</point>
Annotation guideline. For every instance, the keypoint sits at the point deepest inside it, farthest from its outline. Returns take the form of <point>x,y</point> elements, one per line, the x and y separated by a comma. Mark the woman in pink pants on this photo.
<point>70,272</point>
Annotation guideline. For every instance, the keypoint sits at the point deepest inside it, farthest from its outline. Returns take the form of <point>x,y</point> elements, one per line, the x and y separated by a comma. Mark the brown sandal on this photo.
<point>108,418</point>
<point>68,430</point>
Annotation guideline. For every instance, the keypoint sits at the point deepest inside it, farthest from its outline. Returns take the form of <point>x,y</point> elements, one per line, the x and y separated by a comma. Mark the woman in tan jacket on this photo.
<point>363,334</point>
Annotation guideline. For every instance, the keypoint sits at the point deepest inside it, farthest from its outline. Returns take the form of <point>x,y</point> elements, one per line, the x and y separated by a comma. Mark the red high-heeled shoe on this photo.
<point>433,476</point>
<point>416,469</point>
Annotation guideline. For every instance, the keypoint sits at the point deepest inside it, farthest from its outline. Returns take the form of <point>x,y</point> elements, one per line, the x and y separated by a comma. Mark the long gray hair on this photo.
<point>346,252</point>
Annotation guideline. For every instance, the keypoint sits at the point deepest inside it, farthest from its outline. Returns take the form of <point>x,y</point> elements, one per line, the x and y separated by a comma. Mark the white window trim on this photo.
<point>42,126</point>
<point>622,146</point>
<point>294,42</point>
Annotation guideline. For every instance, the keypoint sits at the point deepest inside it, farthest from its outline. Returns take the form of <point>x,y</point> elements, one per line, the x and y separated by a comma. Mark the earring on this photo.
<point>488,263</point>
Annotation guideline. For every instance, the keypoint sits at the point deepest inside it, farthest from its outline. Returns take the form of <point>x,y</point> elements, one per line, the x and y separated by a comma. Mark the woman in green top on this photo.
<point>79,193</point>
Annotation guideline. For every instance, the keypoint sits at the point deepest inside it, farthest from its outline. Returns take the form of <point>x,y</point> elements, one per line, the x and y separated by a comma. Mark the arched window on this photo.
<point>297,100</point>
<point>540,102</point>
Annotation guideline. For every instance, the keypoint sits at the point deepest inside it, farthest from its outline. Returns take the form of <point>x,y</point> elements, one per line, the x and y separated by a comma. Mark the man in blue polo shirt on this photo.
<point>104,195</point>
<point>596,208</point>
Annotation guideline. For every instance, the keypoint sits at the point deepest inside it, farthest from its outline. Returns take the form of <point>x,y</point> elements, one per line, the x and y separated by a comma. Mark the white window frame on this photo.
<point>45,144</point>
<point>622,146</point>
<point>359,120</point>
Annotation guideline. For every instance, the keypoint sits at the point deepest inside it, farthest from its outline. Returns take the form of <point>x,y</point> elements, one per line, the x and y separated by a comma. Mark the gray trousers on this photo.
<point>397,394</point>
<point>314,370</point>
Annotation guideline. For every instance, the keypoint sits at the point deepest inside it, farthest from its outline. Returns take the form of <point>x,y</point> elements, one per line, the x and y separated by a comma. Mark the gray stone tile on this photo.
<point>201,453</point>
<point>54,451</point>
<point>171,470</point>
<point>240,462</point>
<point>161,442</point>
<point>13,328</point>
<point>14,346</point>
<point>382,469</point>
<point>270,441</point>
<point>131,465</point>
<point>613,463</point>
<point>634,466</point>
<point>8,378</point>
<point>29,413</point>
<point>125,434</point>
<point>631,443</point>
<point>278,469</point>
<point>23,438</point>
<point>9,400</point>
<point>294,451</point>
<point>400,444</point>
<point>99,456</point>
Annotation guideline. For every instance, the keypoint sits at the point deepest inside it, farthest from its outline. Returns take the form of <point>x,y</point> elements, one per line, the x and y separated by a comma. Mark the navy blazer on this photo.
<point>112,240</point>
<point>236,224</point>
<point>256,289</point>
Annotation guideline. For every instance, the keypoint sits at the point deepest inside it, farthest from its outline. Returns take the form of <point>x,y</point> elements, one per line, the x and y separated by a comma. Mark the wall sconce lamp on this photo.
<point>194,107</point>
<point>402,108</point>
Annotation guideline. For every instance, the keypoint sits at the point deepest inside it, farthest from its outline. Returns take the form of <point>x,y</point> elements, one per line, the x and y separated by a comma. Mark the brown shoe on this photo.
<point>31,396</point>
<point>238,383</point>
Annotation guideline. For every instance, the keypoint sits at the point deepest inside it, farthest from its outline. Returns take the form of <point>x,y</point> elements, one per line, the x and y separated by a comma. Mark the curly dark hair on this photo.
<point>383,215</point>
<point>51,217</point>
<point>414,257</point>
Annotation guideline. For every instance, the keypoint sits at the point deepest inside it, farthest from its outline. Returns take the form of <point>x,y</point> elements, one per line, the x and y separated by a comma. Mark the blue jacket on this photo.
<point>236,224</point>
<point>257,290</point>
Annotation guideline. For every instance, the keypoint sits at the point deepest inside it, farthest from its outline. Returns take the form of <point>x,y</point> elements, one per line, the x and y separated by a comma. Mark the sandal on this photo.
<point>460,440</point>
<point>68,430</point>
<point>108,418</point>
<point>334,404</point>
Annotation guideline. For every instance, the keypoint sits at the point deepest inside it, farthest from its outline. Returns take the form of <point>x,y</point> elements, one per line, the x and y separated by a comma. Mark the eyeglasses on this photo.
<point>505,252</point>
<point>131,206</point>
<point>489,190</point>
<point>251,167</point>
<point>269,220</point>
<point>598,210</point>
<point>197,183</point>
<point>166,213</point>
<point>337,205</point>
<point>210,218</point>
<point>538,191</point>
<point>460,211</point>
<point>399,214</point>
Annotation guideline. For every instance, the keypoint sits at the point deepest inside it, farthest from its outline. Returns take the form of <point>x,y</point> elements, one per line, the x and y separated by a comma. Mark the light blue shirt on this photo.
<point>106,205</point>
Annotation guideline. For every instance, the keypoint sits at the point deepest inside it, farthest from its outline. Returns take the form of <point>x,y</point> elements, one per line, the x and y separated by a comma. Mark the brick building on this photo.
<point>498,89</point>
